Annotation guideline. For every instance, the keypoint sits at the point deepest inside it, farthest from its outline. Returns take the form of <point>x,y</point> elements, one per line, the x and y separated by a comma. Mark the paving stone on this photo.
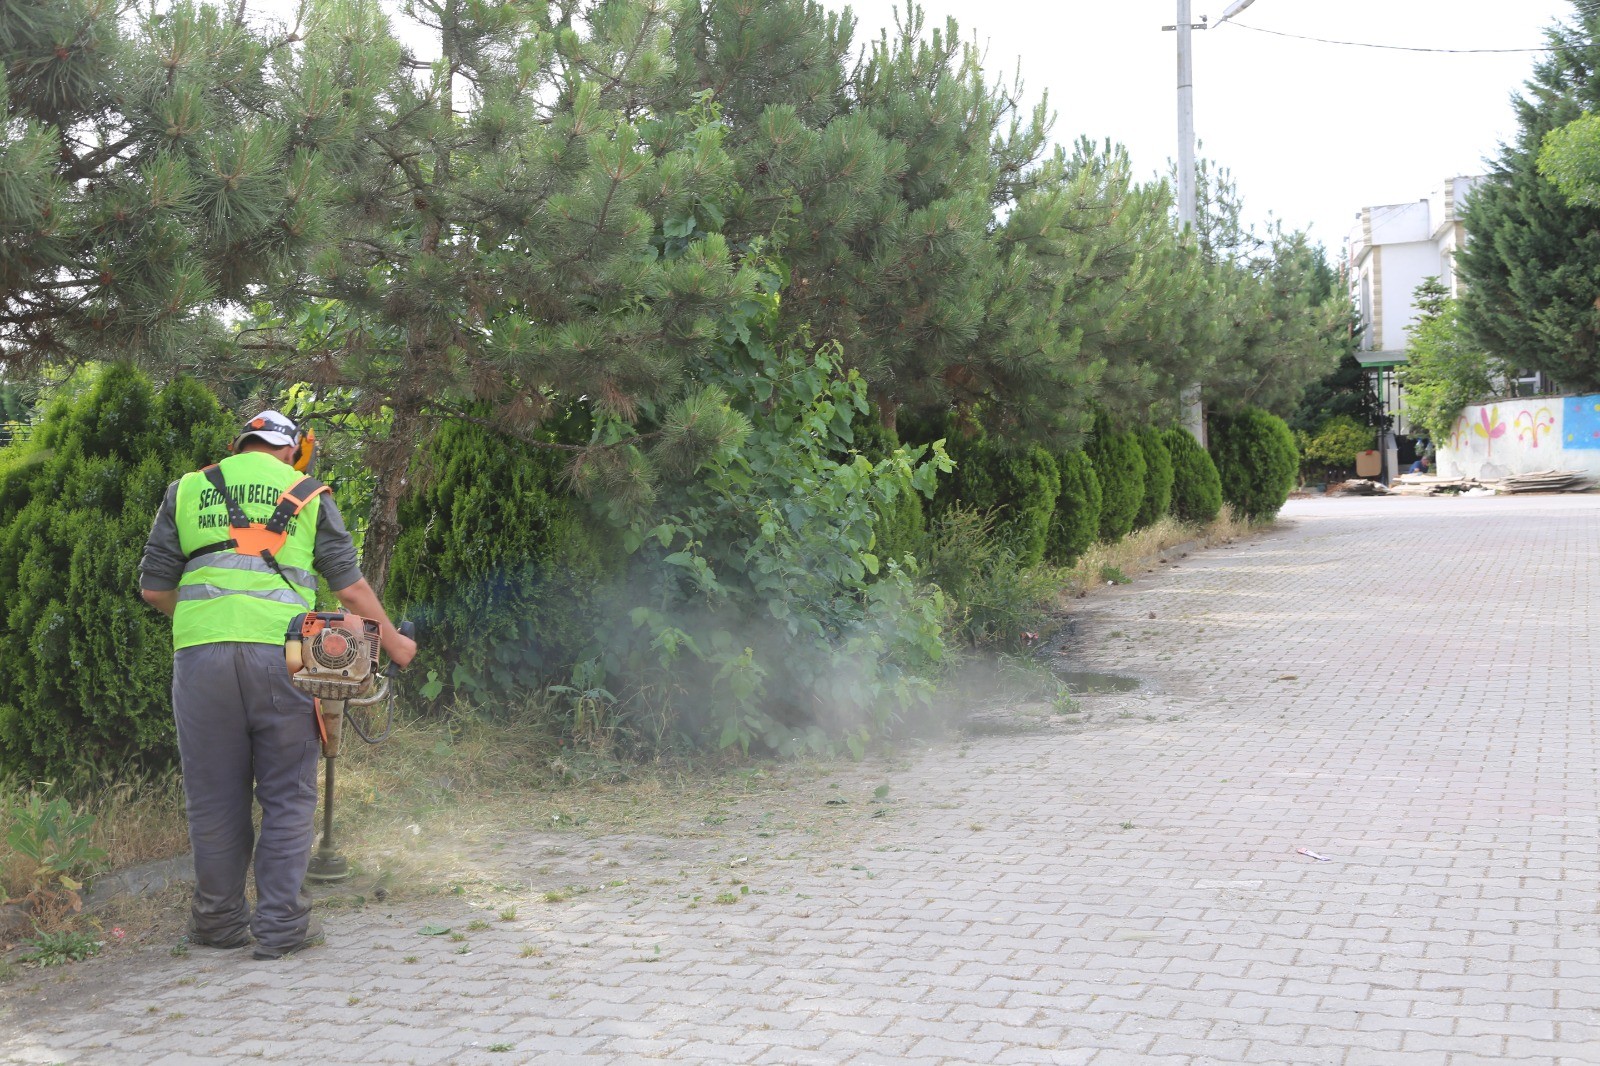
<point>1404,686</point>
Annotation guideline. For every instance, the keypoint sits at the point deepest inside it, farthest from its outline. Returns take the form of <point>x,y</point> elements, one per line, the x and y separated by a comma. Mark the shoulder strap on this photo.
<point>292,501</point>
<point>236,516</point>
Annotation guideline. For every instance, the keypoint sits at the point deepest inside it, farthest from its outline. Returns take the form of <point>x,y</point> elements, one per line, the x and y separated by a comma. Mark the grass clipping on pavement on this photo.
<point>411,812</point>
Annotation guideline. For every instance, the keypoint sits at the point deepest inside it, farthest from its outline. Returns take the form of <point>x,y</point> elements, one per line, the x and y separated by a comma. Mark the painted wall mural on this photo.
<point>1529,423</point>
<point>1582,429</point>
<point>1489,428</point>
<point>1522,436</point>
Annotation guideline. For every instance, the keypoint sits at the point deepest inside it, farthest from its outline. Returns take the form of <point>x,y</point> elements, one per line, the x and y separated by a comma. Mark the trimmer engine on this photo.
<point>334,656</point>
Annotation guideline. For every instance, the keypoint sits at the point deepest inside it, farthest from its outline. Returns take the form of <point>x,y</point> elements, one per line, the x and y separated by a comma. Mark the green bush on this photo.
<point>1075,523</point>
<point>1256,459</point>
<point>1334,446</point>
<point>498,566</point>
<point>1018,486</point>
<point>898,525</point>
<point>761,617</point>
<point>86,679</point>
<point>1119,463</point>
<point>1157,477</point>
<point>1196,487</point>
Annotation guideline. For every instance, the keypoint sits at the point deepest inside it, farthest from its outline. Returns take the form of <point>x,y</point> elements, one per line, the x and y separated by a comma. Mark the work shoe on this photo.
<point>236,939</point>
<point>313,937</point>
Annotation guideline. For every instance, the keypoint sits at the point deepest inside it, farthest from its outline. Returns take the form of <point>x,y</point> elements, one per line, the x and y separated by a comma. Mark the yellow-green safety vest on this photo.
<point>225,595</point>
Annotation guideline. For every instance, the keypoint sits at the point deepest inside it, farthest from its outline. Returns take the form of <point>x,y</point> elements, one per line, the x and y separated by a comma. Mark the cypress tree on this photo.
<point>1157,477</point>
<point>88,679</point>
<point>1119,462</point>
<point>1075,523</point>
<point>1257,461</point>
<point>1019,485</point>
<point>1529,268</point>
<point>1196,486</point>
<point>498,565</point>
<point>898,527</point>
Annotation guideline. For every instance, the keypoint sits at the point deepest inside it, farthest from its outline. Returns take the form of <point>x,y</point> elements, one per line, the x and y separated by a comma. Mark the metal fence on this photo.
<point>15,432</point>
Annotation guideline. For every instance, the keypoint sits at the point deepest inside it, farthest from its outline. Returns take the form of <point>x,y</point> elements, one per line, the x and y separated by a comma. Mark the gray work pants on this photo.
<point>240,722</point>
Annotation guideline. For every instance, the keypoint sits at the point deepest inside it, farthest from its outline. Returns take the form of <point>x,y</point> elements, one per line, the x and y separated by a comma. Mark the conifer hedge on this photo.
<point>1196,488</point>
<point>900,525</point>
<point>1019,485</point>
<point>1075,523</point>
<point>87,678</point>
<point>1256,459</point>
<point>498,565</point>
<point>1157,477</point>
<point>1119,462</point>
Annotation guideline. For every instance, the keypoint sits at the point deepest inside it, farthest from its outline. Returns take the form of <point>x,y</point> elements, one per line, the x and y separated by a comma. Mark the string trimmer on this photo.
<point>333,655</point>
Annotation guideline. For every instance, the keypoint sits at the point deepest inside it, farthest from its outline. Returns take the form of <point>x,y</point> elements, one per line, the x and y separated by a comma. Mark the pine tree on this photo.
<point>509,228</point>
<point>146,175</point>
<point>1282,317</point>
<point>1444,371</point>
<point>1530,265</point>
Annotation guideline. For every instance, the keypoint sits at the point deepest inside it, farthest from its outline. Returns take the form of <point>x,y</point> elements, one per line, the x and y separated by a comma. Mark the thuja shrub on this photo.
<point>500,565</point>
<point>1256,459</point>
<point>1119,462</point>
<point>1018,486</point>
<point>899,525</point>
<point>1196,488</point>
<point>1157,477</point>
<point>1075,523</point>
<point>86,678</point>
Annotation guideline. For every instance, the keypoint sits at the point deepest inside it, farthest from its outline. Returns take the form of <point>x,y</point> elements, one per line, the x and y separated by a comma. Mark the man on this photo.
<point>240,721</point>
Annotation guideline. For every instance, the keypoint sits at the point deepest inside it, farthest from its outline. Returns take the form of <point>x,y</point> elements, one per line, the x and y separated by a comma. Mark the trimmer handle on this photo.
<point>407,629</point>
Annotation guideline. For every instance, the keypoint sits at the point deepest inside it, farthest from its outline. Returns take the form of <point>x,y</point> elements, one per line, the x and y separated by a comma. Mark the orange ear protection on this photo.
<point>305,451</point>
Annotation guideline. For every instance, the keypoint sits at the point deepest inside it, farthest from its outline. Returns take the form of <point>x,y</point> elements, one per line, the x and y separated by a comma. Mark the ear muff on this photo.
<point>305,451</point>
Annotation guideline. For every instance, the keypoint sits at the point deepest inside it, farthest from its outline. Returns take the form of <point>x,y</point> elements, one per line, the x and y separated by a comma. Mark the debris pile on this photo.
<point>1546,481</point>
<point>1428,485</point>
<point>1359,486</point>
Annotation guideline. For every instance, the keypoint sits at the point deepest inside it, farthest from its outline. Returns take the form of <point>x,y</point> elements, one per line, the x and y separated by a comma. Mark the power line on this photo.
<point>1386,47</point>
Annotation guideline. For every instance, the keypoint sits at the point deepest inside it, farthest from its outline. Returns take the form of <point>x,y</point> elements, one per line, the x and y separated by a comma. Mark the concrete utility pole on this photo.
<point>1194,419</point>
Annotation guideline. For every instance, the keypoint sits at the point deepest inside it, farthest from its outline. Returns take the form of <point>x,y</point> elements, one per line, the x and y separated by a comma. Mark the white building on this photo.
<point>1392,250</point>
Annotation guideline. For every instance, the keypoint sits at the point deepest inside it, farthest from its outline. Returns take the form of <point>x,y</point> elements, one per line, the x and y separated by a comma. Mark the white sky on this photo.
<point>1312,132</point>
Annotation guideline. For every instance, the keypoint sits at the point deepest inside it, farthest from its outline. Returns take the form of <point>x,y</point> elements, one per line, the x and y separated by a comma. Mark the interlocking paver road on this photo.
<point>1403,687</point>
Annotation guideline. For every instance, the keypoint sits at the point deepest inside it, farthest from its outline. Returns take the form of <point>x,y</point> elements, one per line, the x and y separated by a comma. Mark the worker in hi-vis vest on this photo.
<point>231,592</point>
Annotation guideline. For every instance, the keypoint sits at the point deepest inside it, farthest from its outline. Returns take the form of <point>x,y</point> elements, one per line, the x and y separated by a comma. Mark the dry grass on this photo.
<point>139,821</point>
<point>1139,551</point>
<point>135,821</point>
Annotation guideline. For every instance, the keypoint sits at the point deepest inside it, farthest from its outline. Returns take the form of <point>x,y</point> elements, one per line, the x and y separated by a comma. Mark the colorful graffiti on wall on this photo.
<point>1530,423</point>
<point>1519,436</point>
<point>1489,427</point>
<point>1582,428</point>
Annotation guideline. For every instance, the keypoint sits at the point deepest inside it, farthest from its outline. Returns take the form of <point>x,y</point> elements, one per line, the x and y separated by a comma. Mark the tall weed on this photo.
<point>993,599</point>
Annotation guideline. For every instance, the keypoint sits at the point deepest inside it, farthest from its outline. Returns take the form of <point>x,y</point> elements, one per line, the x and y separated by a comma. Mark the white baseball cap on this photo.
<point>269,427</point>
